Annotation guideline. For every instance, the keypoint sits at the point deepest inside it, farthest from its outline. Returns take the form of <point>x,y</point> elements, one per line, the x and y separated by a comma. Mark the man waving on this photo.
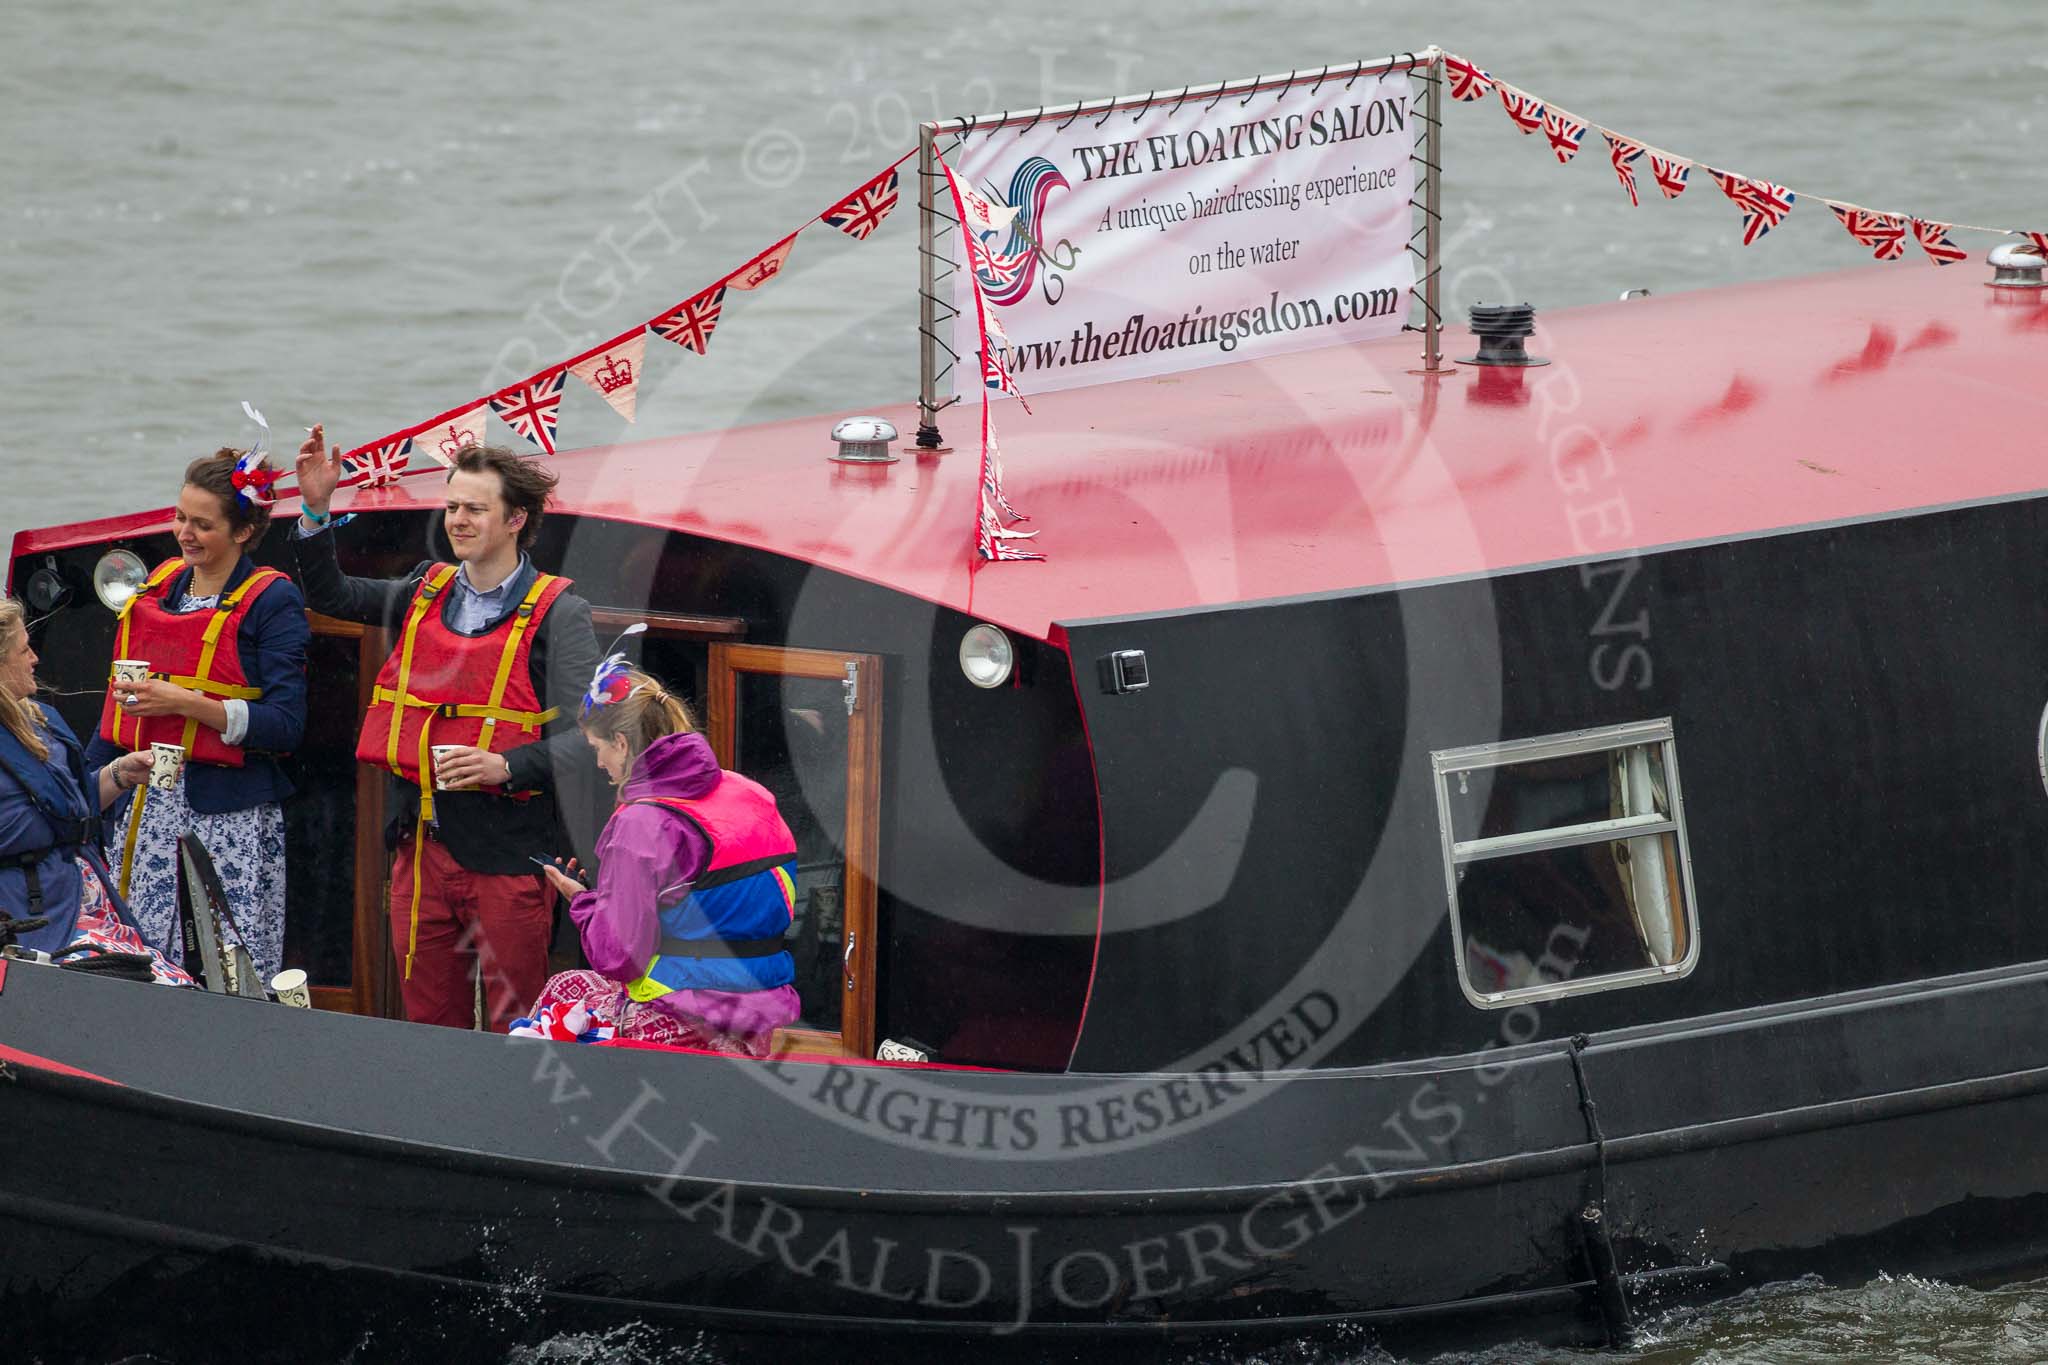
<point>472,713</point>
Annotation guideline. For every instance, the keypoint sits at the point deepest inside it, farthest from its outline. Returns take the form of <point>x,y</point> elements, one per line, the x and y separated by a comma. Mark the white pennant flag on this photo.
<point>763,267</point>
<point>446,438</point>
<point>613,369</point>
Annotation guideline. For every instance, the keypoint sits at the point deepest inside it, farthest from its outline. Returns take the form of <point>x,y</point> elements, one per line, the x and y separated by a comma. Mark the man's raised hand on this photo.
<point>319,470</point>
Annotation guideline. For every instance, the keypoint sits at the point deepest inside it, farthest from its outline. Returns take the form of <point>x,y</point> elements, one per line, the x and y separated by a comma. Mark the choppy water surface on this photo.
<point>365,212</point>
<point>1902,1320</point>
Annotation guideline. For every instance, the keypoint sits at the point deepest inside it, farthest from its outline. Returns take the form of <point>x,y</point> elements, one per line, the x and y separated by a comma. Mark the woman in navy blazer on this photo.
<point>225,641</point>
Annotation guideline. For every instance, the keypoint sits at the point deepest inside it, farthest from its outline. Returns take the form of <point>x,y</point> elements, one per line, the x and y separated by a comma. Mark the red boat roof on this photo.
<point>1659,421</point>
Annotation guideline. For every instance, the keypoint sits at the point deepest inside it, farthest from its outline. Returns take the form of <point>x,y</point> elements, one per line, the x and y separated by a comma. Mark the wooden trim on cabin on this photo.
<point>860,839</point>
<point>669,623</point>
<point>863,843</point>
<point>335,626</point>
<point>809,1042</point>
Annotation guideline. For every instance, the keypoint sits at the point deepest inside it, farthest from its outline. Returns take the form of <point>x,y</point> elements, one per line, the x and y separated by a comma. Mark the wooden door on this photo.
<point>807,725</point>
<point>335,924</point>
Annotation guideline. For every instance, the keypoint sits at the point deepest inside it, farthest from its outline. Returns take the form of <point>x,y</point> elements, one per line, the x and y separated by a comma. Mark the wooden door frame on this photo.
<point>861,839</point>
<point>369,990</point>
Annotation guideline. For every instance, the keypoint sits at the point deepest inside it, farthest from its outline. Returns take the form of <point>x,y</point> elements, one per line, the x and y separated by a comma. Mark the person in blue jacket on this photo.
<point>225,642</point>
<point>50,864</point>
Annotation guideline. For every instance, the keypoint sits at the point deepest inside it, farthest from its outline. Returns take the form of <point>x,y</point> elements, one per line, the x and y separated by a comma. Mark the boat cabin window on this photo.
<point>1566,862</point>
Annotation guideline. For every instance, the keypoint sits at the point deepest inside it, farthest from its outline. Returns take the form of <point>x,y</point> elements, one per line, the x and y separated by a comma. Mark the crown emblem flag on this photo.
<point>445,436</point>
<point>763,267</point>
<point>613,369</point>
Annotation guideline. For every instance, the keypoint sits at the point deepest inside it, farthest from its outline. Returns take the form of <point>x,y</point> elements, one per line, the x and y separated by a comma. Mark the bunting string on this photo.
<point>1764,204</point>
<point>532,407</point>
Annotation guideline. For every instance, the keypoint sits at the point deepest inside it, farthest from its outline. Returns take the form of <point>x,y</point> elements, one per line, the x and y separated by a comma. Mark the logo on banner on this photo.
<point>1007,272</point>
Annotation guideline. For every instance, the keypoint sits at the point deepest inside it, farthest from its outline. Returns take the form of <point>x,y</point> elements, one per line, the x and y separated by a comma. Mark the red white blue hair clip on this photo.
<point>612,683</point>
<point>253,478</point>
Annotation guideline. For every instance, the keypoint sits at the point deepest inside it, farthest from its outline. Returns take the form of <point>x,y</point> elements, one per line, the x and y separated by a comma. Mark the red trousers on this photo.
<point>468,923</point>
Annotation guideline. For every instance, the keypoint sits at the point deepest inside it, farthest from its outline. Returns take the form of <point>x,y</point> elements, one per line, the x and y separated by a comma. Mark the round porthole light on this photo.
<point>986,657</point>
<point>117,577</point>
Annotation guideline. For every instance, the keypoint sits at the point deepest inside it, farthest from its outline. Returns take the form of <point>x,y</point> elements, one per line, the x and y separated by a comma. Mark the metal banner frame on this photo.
<point>934,221</point>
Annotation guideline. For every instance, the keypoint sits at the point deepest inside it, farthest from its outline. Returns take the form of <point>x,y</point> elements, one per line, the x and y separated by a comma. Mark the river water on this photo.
<point>366,212</point>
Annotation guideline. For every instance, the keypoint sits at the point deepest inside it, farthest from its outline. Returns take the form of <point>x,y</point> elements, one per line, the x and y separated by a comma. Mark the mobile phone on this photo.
<point>579,875</point>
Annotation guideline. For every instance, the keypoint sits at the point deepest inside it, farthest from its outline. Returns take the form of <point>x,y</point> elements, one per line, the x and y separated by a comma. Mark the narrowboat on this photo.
<point>1286,893</point>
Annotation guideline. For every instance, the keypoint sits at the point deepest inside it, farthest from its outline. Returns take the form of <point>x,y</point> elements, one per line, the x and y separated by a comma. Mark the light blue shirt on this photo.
<point>469,611</point>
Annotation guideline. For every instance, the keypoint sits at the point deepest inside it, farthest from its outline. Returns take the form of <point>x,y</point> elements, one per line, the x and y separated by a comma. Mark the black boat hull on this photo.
<point>1888,1130</point>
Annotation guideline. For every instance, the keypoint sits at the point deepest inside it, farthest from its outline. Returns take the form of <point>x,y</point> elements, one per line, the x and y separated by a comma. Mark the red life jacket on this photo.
<point>441,687</point>
<point>185,648</point>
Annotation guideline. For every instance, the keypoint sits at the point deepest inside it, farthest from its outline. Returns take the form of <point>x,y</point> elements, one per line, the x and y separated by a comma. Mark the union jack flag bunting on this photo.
<point>1565,133</point>
<point>1763,204</point>
<point>861,212</point>
<point>992,539</point>
<point>1526,110</point>
<point>689,323</point>
<point>996,377</point>
<point>1670,174</point>
<point>532,408</point>
<point>1468,82</point>
<point>1624,154</point>
<point>1933,239</point>
<point>378,465</point>
<point>1883,233</point>
<point>992,473</point>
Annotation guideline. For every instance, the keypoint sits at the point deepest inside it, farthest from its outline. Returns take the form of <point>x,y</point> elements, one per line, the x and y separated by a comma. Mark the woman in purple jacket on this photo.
<point>696,886</point>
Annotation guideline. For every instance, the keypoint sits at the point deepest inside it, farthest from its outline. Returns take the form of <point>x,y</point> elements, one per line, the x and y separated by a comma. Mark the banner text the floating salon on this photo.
<point>1182,235</point>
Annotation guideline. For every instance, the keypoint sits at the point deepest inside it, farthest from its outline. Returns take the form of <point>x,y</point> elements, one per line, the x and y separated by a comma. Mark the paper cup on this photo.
<point>128,672</point>
<point>289,986</point>
<point>439,750</point>
<point>164,762</point>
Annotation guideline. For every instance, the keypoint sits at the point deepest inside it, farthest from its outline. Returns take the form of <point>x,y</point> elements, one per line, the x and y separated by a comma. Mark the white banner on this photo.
<point>1192,235</point>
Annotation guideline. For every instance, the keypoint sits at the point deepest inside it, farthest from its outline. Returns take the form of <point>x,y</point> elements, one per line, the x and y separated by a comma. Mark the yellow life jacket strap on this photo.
<point>134,827</point>
<point>449,710</point>
<point>210,645</point>
<point>429,589</point>
<point>214,689</point>
<point>150,584</point>
<point>521,621</point>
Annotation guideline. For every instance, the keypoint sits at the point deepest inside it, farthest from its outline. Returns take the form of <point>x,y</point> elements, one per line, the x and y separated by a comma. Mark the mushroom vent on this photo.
<point>2017,266</point>
<point>1500,329</point>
